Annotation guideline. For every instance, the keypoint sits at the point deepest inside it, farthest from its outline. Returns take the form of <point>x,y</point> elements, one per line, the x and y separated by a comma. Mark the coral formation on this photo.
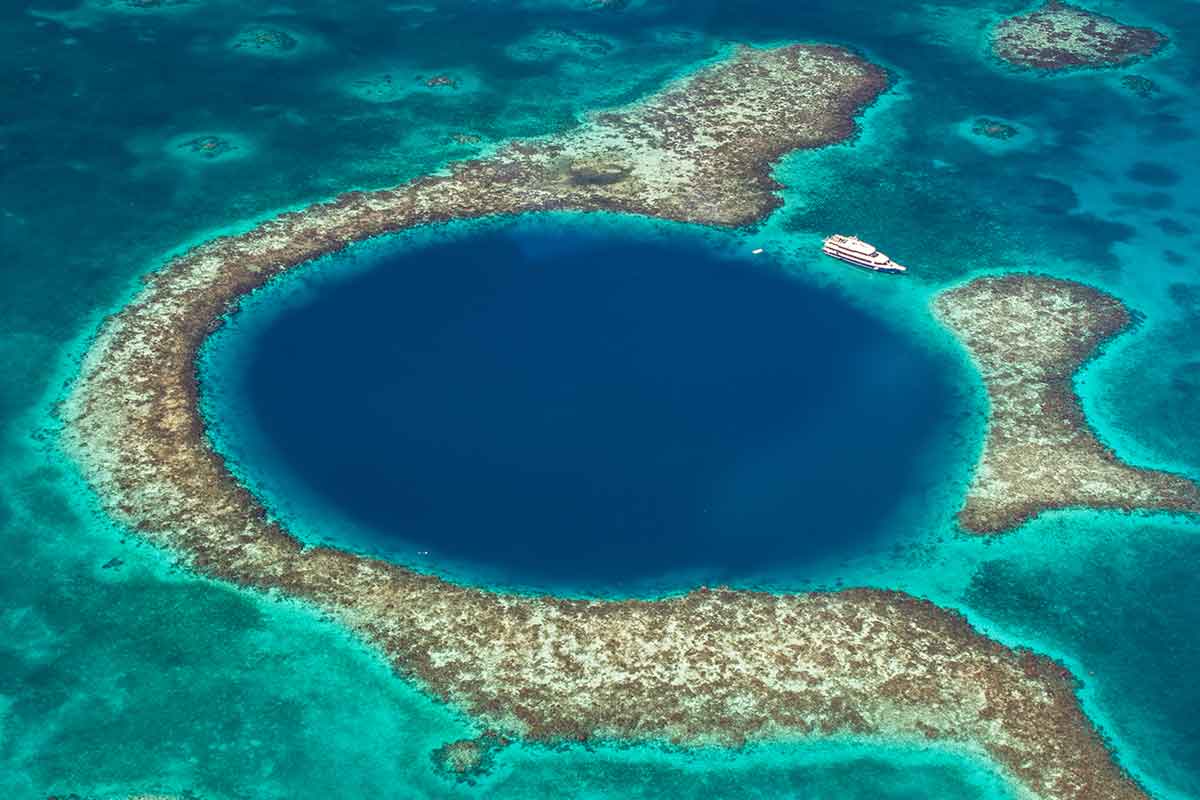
<point>264,41</point>
<point>141,5</point>
<point>208,147</point>
<point>390,87</point>
<point>1062,36</point>
<point>550,43</point>
<point>467,760</point>
<point>435,81</point>
<point>1140,85</point>
<point>993,129</point>
<point>712,666</point>
<point>1029,335</point>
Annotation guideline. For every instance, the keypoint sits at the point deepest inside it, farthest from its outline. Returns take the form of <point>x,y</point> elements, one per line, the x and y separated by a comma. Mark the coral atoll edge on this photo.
<point>721,666</point>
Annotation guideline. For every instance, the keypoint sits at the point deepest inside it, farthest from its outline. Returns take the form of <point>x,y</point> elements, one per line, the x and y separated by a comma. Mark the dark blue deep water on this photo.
<point>566,408</point>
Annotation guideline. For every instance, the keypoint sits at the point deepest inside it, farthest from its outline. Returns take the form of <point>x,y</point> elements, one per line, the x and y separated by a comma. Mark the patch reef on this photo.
<point>1062,36</point>
<point>1029,335</point>
<point>711,666</point>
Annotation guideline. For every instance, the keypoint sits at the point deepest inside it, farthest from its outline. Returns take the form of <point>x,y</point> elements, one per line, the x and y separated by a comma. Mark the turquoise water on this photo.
<point>128,133</point>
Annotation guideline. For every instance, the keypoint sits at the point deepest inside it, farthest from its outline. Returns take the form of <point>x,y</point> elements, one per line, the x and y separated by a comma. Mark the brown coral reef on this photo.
<point>1029,335</point>
<point>711,666</point>
<point>1062,36</point>
<point>467,760</point>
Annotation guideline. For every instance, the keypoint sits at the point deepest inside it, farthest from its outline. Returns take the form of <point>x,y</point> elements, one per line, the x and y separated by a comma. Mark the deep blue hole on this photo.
<point>561,408</point>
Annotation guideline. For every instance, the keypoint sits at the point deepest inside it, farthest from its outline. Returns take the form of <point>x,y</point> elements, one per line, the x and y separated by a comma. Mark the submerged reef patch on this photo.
<point>712,666</point>
<point>1140,85</point>
<point>207,148</point>
<point>136,6</point>
<point>995,135</point>
<point>392,86</point>
<point>265,41</point>
<point>467,760</point>
<point>551,43</point>
<point>1029,335</point>
<point>993,129</point>
<point>1062,36</point>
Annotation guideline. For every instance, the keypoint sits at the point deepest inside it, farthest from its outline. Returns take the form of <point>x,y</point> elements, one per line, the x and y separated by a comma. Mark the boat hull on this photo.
<point>890,267</point>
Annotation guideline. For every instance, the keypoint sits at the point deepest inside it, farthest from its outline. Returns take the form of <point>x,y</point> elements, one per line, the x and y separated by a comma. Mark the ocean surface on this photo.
<point>129,131</point>
<point>554,406</point>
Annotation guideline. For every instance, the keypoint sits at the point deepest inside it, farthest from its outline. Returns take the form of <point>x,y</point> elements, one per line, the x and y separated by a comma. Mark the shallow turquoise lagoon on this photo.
<point>127,133</point>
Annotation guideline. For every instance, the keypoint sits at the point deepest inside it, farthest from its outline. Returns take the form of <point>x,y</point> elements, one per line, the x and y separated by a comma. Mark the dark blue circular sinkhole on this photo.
<point>563,408</point>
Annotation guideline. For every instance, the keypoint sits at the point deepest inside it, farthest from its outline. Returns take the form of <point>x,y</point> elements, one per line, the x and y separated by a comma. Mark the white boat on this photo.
<point>854,250</point>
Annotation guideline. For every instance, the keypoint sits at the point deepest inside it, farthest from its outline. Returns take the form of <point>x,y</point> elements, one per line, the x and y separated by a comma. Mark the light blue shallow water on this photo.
<point>135,677</point>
